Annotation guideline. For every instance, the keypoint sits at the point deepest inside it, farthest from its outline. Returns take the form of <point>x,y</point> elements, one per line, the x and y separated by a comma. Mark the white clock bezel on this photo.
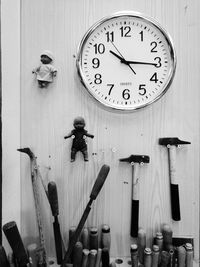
<point>148,20</point>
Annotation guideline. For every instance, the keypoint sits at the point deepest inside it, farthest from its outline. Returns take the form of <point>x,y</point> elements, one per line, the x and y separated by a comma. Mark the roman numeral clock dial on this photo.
<point>126,61</point>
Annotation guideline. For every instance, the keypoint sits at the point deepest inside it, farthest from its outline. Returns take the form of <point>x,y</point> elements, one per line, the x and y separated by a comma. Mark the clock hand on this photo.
<point>137,62</point>
<point>121,58</point>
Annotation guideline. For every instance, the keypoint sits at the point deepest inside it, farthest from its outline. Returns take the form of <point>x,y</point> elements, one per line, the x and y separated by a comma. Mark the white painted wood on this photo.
<point>10,49</point>
<point>47,116</point>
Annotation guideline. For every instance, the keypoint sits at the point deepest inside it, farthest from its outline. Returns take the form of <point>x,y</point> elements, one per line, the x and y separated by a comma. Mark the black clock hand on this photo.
<point>121,58</point>
<point>137,62</point>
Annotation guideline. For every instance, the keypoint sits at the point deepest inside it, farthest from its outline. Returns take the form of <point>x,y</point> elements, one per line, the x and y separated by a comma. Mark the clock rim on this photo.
<point>148,19</point>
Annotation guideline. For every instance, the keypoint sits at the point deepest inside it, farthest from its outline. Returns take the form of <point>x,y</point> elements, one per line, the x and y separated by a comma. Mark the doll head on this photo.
<point>46,57</point>
<point>79,123</point>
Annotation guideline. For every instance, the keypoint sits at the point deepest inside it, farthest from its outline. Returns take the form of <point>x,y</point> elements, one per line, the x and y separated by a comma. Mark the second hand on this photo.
<point>123,57</point>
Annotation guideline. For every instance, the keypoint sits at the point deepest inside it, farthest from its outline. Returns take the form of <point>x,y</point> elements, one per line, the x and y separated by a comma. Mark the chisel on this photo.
<point>12,234</point>
<point>94,193</point>
<point>53,200</point>
<point>3,258</point>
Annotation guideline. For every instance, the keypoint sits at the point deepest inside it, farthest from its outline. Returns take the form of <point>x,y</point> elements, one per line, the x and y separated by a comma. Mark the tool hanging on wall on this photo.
<point>13,236</point>
<point>3,257</point>
<point>53,200</point>
<point>136,161</point>
<point>42,257</point>
<point>171,143</point>
<point>103,173</point>
<point>79,135</point>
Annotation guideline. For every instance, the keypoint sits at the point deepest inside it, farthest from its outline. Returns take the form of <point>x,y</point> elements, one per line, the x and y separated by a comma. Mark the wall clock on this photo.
<point>126,61</point>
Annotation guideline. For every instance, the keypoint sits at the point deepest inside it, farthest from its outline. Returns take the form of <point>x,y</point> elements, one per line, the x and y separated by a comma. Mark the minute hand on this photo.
<point>137,62</point>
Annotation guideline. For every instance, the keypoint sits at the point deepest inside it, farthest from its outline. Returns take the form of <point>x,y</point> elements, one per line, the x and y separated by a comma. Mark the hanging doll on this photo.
<point>45,72</point>
<point>79,135</point>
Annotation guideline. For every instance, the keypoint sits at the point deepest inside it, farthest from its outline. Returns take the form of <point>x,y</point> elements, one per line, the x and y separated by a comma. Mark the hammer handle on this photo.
<point>174,190</point>
<point>135,200</point>
<point>172,164</point>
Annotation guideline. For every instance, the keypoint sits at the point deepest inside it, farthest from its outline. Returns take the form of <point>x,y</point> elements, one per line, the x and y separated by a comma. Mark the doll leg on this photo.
<point>73,154</point>
<point>85,154</point>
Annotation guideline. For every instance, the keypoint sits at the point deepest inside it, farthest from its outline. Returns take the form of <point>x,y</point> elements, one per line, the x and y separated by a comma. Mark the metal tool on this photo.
<point>42,255</point>
<point>171,143</point>
<point>3,257</point>
<point>13,236</point>
<point>135,161</point>
<point>95,191</point>
<point>53,200</point>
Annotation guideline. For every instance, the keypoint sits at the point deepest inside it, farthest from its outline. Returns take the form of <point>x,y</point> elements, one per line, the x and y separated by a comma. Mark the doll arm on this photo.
<point>89,135</point>
<point>68,136</point>
<point>36,70</point>
<point>53,71</point>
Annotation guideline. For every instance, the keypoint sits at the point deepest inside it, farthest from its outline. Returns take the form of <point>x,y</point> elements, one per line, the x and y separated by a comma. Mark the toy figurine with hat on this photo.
<point>79,135</point>
<point>46,71</point>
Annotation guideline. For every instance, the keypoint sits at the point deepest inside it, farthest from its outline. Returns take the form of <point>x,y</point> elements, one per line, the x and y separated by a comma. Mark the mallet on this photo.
<point>95,191</point>
<point>171,143</point>
<point>135,161</point>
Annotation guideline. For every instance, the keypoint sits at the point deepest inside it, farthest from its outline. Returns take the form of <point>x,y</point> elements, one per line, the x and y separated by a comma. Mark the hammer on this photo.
<point>135,161</point>
<point>171,143</point>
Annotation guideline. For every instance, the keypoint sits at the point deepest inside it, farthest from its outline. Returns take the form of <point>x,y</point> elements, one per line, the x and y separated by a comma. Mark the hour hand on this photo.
<point>116,55</point>
<point>122,59</point>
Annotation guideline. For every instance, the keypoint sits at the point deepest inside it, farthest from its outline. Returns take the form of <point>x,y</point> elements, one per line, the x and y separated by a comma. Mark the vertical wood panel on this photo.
<point>47,115</point>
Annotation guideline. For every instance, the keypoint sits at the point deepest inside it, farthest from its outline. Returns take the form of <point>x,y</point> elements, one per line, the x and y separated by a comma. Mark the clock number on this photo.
<point>110,36</point>
<point>95,62</point>
<point>154,78</point>
<point>97,79</point>
<point>142,36</point>
<point>111,87</point>
<point>142,89</point>
<point>126,94</point>
<point>99,48</point>
<point>125,31</point>
<point>154,45</point>
<point>158,63</point>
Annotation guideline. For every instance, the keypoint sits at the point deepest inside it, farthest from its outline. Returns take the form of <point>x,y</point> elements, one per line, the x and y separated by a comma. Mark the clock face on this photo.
<point>126,61</point>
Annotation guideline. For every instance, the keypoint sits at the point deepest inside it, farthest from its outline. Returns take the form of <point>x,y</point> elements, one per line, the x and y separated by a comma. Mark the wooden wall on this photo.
<point>46,115</point>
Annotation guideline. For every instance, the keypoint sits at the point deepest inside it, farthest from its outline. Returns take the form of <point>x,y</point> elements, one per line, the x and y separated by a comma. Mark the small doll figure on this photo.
<point>45,72</point>
<point>79,135</point>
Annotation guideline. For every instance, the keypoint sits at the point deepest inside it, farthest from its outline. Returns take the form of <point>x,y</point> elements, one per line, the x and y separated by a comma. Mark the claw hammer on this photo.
<point>171,143</point>
<point>135,161</point>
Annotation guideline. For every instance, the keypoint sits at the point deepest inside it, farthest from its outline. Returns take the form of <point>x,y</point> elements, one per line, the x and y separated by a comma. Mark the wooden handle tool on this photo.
<point>12,234</point>
<point>94,193</point>
<point>135,161</point>
<point>171,143</point>
<point>53,200</point>
<point>3,258</point>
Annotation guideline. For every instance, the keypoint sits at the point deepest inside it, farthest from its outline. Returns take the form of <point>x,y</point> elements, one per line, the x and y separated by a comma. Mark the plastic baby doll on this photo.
<point>45,72</point>
<point>79,135</point>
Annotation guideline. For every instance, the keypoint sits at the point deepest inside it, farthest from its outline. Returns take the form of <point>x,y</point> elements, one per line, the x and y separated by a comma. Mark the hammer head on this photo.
<point>172,141</point>
<point>136,159</point>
